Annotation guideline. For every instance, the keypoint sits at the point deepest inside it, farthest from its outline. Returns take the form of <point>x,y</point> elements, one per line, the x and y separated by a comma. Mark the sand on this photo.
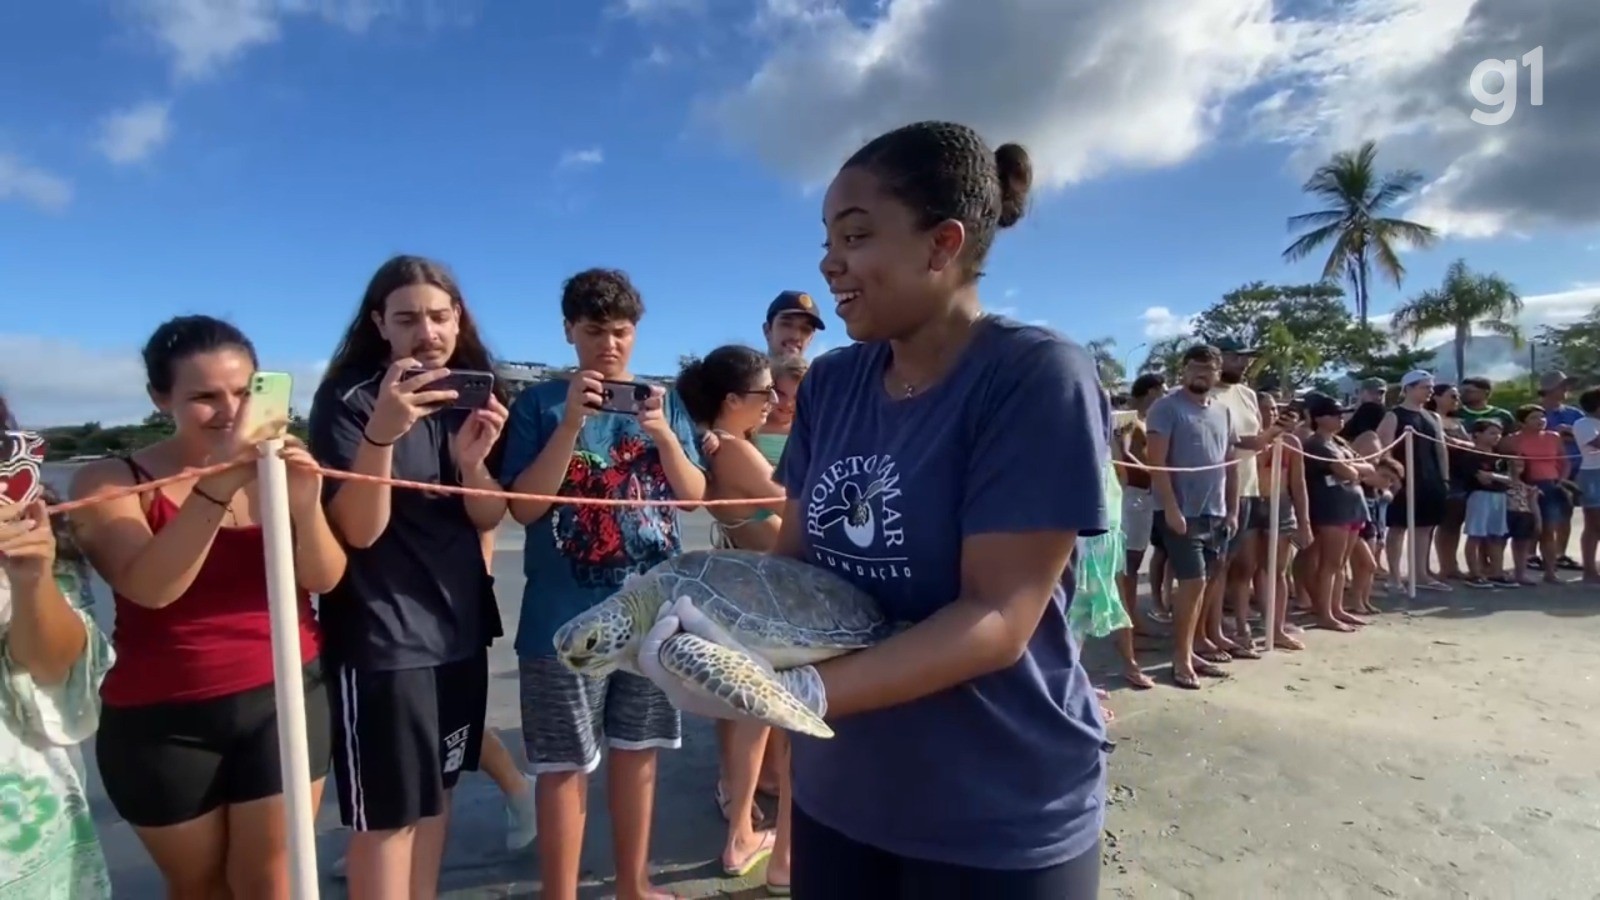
<point>1450,750</point>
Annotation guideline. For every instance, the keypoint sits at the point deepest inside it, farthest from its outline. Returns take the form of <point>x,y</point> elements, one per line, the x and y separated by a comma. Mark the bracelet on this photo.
<point>368,438</point>
<point>206,496</point>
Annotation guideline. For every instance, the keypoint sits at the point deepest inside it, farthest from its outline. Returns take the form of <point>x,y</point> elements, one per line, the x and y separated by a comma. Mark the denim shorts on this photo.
<point>1589,483</point>
<point>1555,504</point>
<point>1486,515</point>
<point>1196,552</point>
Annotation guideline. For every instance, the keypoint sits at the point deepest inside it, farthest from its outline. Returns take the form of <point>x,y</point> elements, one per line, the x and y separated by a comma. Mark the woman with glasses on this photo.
<point>730,393</point>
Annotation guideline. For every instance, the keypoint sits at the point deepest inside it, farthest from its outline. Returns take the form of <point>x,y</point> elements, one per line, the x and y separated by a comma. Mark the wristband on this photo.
<point>368,438</point>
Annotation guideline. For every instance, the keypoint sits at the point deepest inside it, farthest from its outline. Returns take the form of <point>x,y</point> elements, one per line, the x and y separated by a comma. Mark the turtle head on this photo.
<point>604,637</point>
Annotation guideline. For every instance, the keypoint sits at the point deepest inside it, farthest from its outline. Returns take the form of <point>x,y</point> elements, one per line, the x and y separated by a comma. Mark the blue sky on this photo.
<point>257,159</point>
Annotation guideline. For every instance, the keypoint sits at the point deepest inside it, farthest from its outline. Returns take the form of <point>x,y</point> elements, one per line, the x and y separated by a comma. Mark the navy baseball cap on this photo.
<point>795,302</point>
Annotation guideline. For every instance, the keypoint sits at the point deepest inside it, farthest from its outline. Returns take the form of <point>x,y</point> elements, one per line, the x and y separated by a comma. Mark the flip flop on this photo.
<point>1244,653</point>
<point>752,859</point>
<point>759,819</point>
<point>1187,682</point>
<point>1214,656</point>
<point>1207,670</point>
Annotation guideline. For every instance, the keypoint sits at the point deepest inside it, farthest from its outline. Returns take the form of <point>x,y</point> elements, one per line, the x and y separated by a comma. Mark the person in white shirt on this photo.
<point>1243,551</point>
<point>1586,432</point>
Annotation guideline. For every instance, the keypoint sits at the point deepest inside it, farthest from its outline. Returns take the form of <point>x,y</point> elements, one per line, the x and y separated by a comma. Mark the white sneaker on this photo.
<point>522,823</point>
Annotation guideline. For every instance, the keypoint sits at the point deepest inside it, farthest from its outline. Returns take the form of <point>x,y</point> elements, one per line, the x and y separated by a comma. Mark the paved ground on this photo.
<point>1445,751</point>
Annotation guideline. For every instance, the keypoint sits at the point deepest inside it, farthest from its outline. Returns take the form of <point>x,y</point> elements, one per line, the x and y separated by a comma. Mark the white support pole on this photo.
<point>293,754</point>
<point>1413,555</point>
<point>1274,537</point>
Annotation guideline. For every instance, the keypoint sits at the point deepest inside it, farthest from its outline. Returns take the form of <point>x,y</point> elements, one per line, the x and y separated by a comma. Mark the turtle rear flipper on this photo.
<point>740,682</point>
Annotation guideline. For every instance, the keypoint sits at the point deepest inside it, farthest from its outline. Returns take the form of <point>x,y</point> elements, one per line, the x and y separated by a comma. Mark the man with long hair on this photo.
<point>408,629</point>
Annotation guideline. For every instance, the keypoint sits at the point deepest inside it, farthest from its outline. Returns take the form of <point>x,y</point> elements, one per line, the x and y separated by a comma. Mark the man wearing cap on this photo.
<point>1372,390</point>
<point>792,322</point>
<point>1430,476</point>
<point>1240,552</point>
<point>1560,417</point>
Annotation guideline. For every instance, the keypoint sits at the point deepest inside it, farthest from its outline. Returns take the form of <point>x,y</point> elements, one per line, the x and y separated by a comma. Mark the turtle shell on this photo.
<point>775,603</point>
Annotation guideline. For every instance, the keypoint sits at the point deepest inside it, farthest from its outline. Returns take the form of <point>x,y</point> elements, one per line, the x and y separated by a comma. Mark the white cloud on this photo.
<point>1400,72</point>
<point>202,36</point>
<point>582,159</point>
<point>33,185</point>
<point>48,381</point>
<point>1092,87</point>
<point>1055,76</point>
<point>645,9</point>
<point>1161,323</point>
<point>132,134</point>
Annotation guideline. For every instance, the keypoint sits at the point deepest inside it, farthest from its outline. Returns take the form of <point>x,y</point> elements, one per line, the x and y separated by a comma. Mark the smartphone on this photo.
<point>267,416</point>
<point>21,465</point>
<point>473,389</point>
<point>625,398</point>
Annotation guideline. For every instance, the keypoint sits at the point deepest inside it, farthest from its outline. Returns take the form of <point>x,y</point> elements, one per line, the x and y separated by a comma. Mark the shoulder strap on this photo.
<point>140,473</point>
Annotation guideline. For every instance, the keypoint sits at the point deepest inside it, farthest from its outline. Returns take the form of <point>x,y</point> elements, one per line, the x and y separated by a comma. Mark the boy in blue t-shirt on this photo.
<point>575,556</point>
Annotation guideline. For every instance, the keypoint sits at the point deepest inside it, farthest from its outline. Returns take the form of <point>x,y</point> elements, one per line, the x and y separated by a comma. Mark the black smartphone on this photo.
<point>625,398</point>
<point>473,389</point>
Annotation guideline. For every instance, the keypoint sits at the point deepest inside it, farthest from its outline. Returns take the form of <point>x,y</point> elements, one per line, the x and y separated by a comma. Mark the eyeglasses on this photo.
<point>771,394</point>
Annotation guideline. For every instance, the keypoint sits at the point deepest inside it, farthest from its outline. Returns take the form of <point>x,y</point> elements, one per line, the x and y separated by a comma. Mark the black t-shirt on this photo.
<point>1331,500</point>
<point>420,595</point>
<point>1465,466</point>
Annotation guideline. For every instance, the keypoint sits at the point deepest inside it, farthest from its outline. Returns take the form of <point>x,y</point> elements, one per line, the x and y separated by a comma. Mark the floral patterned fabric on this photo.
<point>48,846</point>
<point>1097,609</point>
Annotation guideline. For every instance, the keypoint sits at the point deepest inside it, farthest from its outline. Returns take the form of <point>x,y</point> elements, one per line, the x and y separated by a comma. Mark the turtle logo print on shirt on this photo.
<point>853,518</point>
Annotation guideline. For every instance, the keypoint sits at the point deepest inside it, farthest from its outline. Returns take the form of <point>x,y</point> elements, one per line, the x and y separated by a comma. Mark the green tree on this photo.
<point>1301,329</point>
<point>1465,300</point>
<point>1106,363</point>
<point>1165,355</point>
<point>1577,344</point>
<point>1353,222</point>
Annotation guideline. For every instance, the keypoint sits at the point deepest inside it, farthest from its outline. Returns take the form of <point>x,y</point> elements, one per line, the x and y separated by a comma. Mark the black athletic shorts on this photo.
<point>167,763</point>
<point>830,866</point>
<point>402,738</point>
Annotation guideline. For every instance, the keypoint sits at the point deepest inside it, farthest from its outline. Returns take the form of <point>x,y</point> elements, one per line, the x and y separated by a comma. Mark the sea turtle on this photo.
<point>790,612</point>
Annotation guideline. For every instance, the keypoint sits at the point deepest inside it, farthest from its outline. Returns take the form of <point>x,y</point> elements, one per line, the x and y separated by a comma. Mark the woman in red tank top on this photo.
<point>188,744</point>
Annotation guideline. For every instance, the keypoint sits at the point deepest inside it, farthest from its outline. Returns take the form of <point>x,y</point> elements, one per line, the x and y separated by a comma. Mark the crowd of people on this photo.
<point>905,471</point>
<point>1197,472</point>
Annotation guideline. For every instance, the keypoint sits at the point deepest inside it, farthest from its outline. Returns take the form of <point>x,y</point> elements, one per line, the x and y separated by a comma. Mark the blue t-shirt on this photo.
<point>576,556</point>
<point>1006,771</point>
<point>1569,416</point>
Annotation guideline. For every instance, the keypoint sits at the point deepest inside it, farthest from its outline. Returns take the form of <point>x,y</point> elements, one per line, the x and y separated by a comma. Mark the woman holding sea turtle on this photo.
<point>969,755</point>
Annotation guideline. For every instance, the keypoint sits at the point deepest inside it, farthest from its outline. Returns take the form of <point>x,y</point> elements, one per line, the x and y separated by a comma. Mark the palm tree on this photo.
<point>1166,355</point>
<point>1106,364</point>
<point>1357,196</point>
<point>1465,300</point>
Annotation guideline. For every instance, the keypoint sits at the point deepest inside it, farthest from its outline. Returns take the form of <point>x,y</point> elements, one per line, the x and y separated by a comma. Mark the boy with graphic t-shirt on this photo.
<point>560,443</point>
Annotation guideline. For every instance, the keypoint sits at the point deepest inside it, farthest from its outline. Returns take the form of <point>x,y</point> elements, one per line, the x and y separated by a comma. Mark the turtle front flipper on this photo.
<point>740,682</point>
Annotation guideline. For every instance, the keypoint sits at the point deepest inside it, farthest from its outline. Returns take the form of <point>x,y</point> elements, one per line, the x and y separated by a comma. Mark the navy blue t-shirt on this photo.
<point>1006,771</point>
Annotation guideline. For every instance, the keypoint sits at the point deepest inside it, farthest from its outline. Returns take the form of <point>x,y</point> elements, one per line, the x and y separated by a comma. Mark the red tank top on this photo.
<point>215,639</point>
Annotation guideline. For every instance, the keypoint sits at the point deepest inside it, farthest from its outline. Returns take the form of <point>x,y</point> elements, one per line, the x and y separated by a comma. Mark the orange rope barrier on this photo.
<point>203,471</point>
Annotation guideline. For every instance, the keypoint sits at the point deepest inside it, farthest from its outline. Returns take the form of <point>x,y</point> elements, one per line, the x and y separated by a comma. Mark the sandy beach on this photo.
<point>1447,750</point>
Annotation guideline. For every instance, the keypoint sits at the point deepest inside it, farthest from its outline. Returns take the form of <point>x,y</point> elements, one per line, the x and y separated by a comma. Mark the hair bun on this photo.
<point>1016,177</point>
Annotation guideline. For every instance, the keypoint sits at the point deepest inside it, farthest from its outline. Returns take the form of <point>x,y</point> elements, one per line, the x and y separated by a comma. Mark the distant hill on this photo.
<point>1490,356</point>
